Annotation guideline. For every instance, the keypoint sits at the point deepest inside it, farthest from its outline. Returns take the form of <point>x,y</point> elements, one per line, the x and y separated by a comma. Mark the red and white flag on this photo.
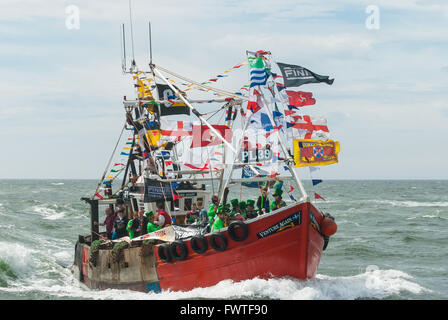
<point>300,98</point>
<point>254,104</point>
<point>310,127</point>
<point>176,128</point>
<point>204,137</point>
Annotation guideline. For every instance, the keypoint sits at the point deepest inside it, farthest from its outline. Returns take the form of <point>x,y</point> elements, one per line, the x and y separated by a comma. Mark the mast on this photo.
<point>289,162</point>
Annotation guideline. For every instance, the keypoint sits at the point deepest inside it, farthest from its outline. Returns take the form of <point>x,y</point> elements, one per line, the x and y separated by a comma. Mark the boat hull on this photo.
<point>283,243</point>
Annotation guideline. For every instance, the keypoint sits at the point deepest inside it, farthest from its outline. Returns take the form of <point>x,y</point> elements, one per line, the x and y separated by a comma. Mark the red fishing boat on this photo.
<point>164,167</point>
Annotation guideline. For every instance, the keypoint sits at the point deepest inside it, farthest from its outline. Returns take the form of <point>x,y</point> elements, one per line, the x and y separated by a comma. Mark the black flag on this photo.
<point>167,109</point>
<point>294,76</point>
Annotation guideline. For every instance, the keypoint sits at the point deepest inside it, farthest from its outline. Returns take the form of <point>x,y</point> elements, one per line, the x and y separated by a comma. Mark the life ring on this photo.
<point>198,248</point>
<point>213,243</point>
<point>183,250</point>
<point>238,224</point>
<point>165,253</point>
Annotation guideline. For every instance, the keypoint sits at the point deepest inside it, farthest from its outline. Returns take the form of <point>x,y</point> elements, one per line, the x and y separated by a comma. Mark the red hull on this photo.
<point>292,250</point>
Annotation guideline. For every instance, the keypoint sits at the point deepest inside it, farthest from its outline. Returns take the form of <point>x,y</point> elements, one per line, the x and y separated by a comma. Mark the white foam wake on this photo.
<point>376,284</point>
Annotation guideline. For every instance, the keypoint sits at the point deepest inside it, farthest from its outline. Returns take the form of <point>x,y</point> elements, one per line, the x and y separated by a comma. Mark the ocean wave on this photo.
<point>57,183</point>
<point>18,257</point>
<point>48,213</point>
<point>409,204</point>
<point>377,284</point>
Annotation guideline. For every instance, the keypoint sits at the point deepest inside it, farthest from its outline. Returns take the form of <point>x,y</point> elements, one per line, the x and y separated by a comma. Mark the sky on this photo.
<point>61,87</point>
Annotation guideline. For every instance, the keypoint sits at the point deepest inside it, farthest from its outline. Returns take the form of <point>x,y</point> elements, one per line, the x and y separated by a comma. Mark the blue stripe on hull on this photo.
<point>153,287</point>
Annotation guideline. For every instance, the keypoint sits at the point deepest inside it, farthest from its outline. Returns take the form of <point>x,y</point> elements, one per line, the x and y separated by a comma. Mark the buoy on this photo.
<point>328,227</point>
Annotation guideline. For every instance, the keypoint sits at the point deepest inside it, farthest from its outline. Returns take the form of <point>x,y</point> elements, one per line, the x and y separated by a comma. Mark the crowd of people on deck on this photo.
<point>220,216</point>
<point>118,225</point>
<point>216,216</point>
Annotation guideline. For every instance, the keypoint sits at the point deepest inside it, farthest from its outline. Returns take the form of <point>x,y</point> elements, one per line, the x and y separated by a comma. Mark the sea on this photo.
<point>391,244</point>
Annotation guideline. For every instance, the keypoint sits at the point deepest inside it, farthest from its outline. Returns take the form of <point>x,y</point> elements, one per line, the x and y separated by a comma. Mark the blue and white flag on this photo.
<point>258,75</point>
<point>315,180</point>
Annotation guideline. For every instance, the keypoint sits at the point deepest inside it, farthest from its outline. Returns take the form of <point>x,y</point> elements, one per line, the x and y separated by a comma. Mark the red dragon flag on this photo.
<point>204,137</point>
<point>300,98</point>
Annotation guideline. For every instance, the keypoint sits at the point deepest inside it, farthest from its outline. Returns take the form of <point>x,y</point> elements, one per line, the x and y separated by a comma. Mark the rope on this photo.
<point>227,93</point>
<point>110,160</point>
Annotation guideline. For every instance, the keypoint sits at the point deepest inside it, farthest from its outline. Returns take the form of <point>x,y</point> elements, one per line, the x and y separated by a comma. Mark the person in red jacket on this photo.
<point>164,219</point>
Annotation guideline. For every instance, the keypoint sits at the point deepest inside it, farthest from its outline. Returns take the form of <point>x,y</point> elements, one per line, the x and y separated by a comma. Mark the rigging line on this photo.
<point>241,97</point>
<point>110,160</point>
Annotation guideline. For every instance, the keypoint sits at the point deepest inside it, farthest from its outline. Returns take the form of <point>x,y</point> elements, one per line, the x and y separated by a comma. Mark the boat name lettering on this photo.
<point>289,222</point>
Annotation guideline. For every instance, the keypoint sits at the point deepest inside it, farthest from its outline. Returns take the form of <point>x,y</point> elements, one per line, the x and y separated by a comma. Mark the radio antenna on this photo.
<point>123,48</point>
<point>132,36</point>
<point>150,43</point>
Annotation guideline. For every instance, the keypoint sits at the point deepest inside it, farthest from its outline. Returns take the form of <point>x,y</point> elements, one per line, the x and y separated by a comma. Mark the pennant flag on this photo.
<point>176,128</point>
<point>258,74</point>
<point>176,197</point>
<point>316,196</point>
<point>280,86</point>
<point>204,137</point>
<point>295,76</point>
<point>291,188</point>
<point>119,164</point>
<point>125,154</point>
<point>300,98</point>
<point>107,183</point>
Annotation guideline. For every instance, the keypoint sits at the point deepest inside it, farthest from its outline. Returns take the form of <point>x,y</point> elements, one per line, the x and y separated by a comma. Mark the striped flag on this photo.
<point>258,74</point>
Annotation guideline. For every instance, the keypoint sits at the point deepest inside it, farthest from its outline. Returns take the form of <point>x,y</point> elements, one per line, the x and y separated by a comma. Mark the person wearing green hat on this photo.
<point>250,210</point>
<point>278,202</point>
<point>212,208</point>
<point>235,206</point>
<point>242,205</point>
<point>151,227</point>
<point>219,222</point>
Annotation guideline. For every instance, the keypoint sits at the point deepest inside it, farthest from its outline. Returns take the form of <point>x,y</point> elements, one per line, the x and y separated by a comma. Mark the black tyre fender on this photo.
<point>183,250</point>
<point>326,240</point>
<point>238,224</point>
<point>165,253</point>
<point>194,244</point>
<point>214,245</point>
